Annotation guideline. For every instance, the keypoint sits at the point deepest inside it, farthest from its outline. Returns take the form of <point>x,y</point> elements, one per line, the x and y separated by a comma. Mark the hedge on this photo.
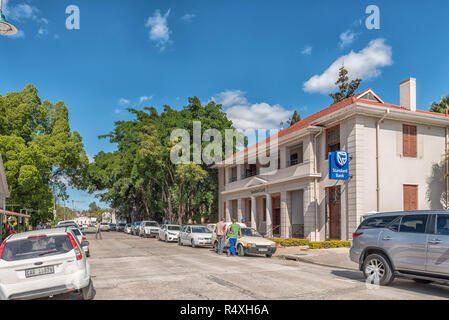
<point>310,244</point>
<point>329,244</point>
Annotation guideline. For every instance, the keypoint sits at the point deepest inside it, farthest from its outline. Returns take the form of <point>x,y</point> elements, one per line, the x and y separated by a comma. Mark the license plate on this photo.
<point>39,271</point>
<point>263,250</point>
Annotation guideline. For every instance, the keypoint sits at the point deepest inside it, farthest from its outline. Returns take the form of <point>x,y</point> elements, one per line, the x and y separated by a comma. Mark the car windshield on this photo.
<point>200,230</point>
<point>248,232</point>
<point>122,225</point>
<point>174,228</point>
<point>35,247</point>
<point>151,224</point>
<point>76,232</point>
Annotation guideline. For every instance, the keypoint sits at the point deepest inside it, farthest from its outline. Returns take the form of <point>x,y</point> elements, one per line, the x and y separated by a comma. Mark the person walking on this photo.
<point>243,221</point>
<point>234,232</point>
<point>98,231</point>
<point>220,230</point>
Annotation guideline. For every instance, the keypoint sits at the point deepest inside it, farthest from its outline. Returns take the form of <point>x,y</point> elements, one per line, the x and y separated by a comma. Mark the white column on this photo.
<point>239,209</point>
<point>269,213</point>
<point>283,156</point>
<point>228,211</point>
<point>253,212</point>
<point>285,217</point>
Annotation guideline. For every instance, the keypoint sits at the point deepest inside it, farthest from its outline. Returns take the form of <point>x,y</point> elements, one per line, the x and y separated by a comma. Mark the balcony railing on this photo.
<point>292,163</point>
<point>250,173</point>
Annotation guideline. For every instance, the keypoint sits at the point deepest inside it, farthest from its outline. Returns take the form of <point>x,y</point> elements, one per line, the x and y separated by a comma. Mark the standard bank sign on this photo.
<point>338,165</point>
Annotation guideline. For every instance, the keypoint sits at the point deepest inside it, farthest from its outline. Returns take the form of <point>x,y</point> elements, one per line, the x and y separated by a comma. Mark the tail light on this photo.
<point>78,252</point>
<point>83,239</point>
<point>1,249</point>
<point>356,234</point>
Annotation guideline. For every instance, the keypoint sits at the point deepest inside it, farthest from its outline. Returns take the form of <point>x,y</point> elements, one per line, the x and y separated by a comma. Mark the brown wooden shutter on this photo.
<point>409,140</point>
<point>410,198</point>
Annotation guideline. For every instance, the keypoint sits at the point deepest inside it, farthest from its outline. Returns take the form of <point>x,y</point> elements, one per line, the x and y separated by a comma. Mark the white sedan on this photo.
<point>169,232</point>
<point>195,235</point>
<point>43,263</point>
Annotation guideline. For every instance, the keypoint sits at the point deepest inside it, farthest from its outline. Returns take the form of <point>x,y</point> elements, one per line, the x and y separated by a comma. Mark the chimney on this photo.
<point>408,94</point>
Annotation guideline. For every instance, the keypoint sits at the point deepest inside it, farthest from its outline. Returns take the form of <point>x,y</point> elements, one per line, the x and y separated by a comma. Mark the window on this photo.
<point>443,225</point>
<point>409,141</point>
<point>332,139</point>
<point>413,224</point>
<point>233,176</point>
<point>265,209</point>
<point>296,156</point>
<point>410,198</point>
<point>376,222</point>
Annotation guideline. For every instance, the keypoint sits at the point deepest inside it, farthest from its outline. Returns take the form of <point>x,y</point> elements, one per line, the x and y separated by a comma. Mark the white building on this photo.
<point>397,164</point>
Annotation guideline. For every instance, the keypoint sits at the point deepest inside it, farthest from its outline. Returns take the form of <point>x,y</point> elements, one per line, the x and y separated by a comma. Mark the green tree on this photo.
<point>40,152</point>
<point>296,117</point>
<point>441,106</point>
<point>347,88</point>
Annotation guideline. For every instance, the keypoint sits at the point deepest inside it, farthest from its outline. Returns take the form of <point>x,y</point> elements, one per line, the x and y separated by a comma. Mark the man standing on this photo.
<point>234,232</point>
<point>220,230</point>
<point>98,231</point>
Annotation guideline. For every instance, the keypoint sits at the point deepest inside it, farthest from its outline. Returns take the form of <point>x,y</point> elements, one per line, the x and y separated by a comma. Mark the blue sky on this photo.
<point>255,56</point>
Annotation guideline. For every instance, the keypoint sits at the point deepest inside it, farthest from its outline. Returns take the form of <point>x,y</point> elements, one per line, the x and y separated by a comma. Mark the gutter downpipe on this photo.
<point>377,158</point>
<point>315,187</point>
<point>447,168</point>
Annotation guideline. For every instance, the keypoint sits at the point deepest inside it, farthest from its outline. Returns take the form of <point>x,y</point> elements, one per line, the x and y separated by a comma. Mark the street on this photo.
<point>126,267</point>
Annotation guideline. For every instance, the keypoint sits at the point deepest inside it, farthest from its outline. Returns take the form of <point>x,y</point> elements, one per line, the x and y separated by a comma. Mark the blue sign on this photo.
<point>338,165</point>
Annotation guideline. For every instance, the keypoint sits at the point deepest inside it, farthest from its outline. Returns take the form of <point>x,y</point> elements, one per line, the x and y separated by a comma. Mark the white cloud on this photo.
<point>91,159</point>
<point>21,12</point>
<point>307,50</point>
<point>364,64</point>
<point>346,38</point>
<point>19,35</point>
<point>42,31</point>
<point>229,98</point>
<point>159,30</point>
<point>188,17</point>
<point>123,102</point>
<point>245,115</point>
<point>145,98</point>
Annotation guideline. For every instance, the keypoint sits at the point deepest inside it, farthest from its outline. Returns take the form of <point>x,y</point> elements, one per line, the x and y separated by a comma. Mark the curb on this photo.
<point>296,258</point>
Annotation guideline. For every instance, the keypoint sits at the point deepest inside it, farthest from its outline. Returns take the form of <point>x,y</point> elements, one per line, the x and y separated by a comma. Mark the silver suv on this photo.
<point>413,245</point>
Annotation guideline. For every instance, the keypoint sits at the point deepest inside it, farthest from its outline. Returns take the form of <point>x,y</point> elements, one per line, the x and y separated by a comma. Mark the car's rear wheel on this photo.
<point>88,292</point>
<point>268,255</point>
<point>241,251</point>
<point>377,270</point>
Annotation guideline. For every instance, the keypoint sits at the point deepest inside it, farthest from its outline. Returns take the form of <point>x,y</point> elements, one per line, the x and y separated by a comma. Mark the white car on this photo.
<point>148,229</point>
<point>128,229</point>
<point>169,232</point>
<point>104,226</point>
<point>82,240</point>
<point>43,263</point>
<point>195,235</point>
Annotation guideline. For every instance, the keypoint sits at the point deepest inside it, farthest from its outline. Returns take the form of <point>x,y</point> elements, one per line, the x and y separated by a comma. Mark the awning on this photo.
<point>15,214</point>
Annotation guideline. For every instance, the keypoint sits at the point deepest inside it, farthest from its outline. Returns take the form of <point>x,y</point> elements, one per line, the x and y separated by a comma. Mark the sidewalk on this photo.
<point>335,258</point>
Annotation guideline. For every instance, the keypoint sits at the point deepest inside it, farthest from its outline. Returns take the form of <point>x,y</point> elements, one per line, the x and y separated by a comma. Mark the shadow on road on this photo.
<point>435,289</point>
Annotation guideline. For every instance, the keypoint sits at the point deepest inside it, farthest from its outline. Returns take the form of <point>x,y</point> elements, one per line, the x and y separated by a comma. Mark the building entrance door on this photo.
<point>334,197</point>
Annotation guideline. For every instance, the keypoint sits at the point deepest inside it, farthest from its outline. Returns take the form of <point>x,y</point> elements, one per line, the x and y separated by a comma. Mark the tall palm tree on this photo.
<point>442,106</point>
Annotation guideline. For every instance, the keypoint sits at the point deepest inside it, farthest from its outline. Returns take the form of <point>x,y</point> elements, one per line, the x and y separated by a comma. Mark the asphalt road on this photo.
<point>128,267</point>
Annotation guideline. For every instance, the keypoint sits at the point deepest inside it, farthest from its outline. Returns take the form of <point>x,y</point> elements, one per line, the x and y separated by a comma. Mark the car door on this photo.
<point>406,242</point>
<point>438,246</point>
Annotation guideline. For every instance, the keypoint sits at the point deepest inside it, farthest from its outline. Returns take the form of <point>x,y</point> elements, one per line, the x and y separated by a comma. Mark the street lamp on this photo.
<point>6,28</point>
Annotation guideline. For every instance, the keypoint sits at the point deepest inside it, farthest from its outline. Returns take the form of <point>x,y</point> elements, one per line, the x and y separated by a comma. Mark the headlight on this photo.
<point>250,245</point>
<point>273,245</point>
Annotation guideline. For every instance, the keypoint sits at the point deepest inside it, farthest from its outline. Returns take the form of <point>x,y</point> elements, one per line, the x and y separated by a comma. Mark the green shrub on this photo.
<point>329,244</point>
<point>290,242</point>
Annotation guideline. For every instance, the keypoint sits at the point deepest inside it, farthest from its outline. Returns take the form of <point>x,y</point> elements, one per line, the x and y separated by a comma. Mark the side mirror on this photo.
<point>85,244</point>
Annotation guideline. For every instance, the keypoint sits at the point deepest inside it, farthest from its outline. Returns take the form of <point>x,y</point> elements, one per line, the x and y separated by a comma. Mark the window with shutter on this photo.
<point>410,197</point>
<point>409,141</point>
<point>332,139</point>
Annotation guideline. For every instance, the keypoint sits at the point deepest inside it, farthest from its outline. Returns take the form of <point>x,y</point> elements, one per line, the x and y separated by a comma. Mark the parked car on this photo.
<point>121,227</point>
<point>104,226</point>
<point>414,245</point>
<point>195,235</point>
<point>128,228</point>
<point>251,242</point>
<point>85,226</point>
<point>82,239</point>
<point>67,223</point>
<point>136,226</point>
<point>169,232</point>
<point>43,263</point>
<point>148,229</point>
<point>112,227</point>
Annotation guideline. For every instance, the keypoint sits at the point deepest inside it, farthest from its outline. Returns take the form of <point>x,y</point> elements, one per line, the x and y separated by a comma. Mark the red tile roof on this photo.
<point>320,114</point>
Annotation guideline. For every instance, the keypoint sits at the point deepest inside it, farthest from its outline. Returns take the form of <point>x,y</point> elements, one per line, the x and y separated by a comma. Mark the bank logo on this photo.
<point>342,158</point>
